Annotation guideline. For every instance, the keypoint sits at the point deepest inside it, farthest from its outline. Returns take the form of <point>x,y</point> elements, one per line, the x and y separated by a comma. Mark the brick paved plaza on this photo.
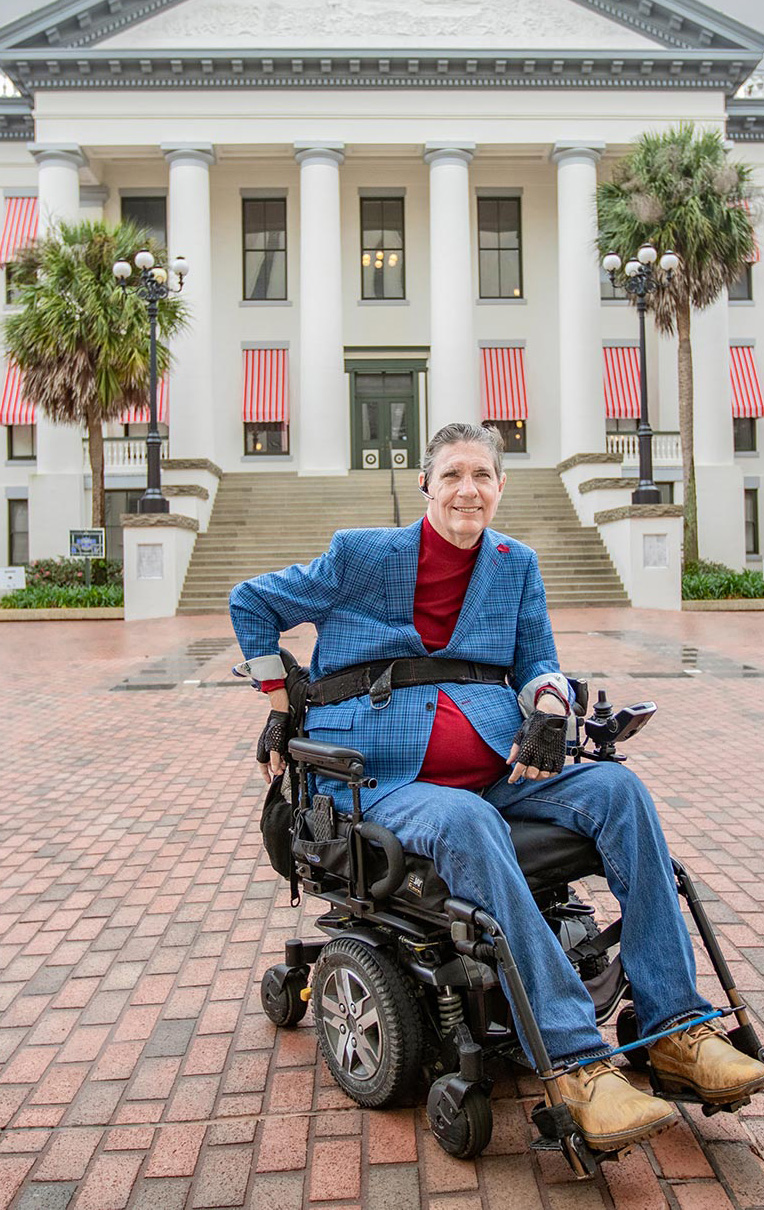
<point>138,911</point>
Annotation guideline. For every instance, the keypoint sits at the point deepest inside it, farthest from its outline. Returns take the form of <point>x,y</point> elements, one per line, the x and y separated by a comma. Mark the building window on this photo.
<point>499,245</point>
<point>18,532</point>
<point>265,276</point>
<point>382,248</point>
<point>620,426</point>
<point>667,492</point>
<point>513,433</point>
<point>266,437</point>
<point>751,504</point>
<point>741,289</point>
<point>149,213</point>
<point>118,502</point>
<point>608,290</point>
<point>744,434</point>
<point>22,441</point>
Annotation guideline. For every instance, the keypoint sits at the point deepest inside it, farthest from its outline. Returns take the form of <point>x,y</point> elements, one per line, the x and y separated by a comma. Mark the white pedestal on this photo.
<point>157,551</point>
<point>577,469</point>
<point>193,484</point>
<point>645,543</point>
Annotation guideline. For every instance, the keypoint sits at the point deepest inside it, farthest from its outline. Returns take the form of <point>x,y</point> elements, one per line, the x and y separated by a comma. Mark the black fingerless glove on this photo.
<point>541,742</point>
<point>274,736</point>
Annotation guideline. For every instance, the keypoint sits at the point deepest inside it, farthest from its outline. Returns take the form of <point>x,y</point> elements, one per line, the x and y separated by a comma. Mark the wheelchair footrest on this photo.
<point>554,1126</point>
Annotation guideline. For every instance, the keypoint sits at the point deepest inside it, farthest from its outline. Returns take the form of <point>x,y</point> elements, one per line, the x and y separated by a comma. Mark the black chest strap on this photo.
<point>380,677</point>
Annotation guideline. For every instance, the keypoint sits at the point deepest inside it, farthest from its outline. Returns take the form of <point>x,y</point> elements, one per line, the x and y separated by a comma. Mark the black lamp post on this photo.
<point>640,280</point>
<point>152,286</point>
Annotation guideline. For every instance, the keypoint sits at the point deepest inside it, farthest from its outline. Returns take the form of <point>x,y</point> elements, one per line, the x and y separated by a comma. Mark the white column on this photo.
<point>192,429</point>
<point>324,441</point>
<point>582,405</point>
<point>454,392</point>
<point>56,490</point>
<point>719,481</point>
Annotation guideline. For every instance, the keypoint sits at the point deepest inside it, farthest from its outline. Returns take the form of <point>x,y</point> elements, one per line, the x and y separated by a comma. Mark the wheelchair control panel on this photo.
<point>608,727</point>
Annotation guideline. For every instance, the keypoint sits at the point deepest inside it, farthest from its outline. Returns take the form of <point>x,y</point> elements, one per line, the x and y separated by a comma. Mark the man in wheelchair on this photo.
<point>435,659</point>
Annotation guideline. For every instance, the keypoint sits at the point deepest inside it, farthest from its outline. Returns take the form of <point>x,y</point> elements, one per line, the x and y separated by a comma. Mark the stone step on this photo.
<point>262,522</point>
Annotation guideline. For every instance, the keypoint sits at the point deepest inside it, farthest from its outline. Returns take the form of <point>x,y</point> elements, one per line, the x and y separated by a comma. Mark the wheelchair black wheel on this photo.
<point>368,1022</point>
<point>284,1005</point>
<point>627,1029</point>
<point>466,1132</point>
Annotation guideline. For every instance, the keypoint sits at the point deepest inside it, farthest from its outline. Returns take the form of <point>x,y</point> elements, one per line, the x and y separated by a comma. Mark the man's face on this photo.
<point>465,492</point>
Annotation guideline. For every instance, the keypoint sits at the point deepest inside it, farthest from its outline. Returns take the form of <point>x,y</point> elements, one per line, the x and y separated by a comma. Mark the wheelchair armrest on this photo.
<point>392,848</point>
<point>344,764</point>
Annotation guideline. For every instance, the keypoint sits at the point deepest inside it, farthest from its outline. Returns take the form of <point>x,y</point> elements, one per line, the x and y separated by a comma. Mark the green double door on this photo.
<point>384,418</point>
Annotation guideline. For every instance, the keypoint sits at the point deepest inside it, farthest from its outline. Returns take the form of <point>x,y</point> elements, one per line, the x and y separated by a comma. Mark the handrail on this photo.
<point>394,490</point>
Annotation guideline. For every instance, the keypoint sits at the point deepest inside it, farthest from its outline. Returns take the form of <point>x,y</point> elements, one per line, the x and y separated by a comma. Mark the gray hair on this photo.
<point>451,434</point>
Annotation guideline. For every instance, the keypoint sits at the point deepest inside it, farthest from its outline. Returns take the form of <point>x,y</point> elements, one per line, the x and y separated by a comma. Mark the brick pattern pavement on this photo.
<point>138,912</point>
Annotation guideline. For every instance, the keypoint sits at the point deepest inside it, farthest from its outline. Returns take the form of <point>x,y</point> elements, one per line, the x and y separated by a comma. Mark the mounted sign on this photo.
<point>87,543</point>
<point>12,578</point>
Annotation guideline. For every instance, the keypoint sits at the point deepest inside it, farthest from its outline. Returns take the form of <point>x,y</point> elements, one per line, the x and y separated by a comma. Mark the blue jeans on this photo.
<point>468,838</point>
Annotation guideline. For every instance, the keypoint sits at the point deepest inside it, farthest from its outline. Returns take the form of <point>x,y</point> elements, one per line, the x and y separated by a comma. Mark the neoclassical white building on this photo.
<point>388,211</point>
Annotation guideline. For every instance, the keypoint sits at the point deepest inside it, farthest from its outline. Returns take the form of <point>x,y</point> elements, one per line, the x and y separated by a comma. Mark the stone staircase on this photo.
<point>262,522</point>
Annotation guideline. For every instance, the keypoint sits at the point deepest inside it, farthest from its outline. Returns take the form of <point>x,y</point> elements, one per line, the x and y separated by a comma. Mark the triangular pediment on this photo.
<point>378,25</point>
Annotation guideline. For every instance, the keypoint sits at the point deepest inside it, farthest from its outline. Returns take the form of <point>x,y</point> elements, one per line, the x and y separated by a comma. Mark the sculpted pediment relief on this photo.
<point>378,24</point>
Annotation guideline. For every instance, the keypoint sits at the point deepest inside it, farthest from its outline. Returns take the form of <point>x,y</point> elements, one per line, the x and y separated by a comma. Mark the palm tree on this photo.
<point>81,345</point>
<point>680,191</point>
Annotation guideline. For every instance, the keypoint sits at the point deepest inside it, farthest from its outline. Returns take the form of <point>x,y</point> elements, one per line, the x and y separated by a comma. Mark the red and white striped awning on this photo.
<point>502,384</point>
<point>747,399</point>
<point>19,226</point>
<point>266,386</point>
<point>140,415</point>
<point>621,382</point>
<point>13,407</point>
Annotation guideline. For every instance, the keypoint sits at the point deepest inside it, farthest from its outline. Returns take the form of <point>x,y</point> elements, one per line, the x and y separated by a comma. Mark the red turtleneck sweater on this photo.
<point>456,755</point>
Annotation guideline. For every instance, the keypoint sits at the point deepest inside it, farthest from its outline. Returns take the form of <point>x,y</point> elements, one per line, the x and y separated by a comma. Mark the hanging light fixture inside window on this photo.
<point>392,259</point>
<point>366,260</point>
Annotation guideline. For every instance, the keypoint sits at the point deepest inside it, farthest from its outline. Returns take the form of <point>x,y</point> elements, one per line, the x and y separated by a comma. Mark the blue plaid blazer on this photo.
<point>360,597</point>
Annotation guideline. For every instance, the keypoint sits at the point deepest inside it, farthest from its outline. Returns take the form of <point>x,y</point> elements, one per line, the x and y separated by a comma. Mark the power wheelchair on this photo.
<point>407,984</point>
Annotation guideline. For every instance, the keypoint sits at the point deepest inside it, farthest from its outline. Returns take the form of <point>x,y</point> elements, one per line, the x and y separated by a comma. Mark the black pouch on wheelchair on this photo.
<point>281,799</point>
<point>320,856</point>
<point>276,825</point>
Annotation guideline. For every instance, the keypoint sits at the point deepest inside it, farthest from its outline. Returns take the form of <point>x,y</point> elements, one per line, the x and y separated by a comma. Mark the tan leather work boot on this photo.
<point>610,1113</point>
<point>703,1060</point>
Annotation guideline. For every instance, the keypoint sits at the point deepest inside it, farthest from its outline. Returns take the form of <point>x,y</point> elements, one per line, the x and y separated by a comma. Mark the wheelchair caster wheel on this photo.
<point>461,1130</point>
<point>627,1029</point>
<point>280,996</point>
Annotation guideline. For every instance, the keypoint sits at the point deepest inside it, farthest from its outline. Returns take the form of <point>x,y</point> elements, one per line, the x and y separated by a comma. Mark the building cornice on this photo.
<point>38,70</point>
<point>16,121</point>
<point>745,120</point>
<point>682,24</point>
<point>79,22</point>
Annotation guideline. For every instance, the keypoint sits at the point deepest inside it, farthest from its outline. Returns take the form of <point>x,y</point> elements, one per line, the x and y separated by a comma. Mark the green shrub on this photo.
<point>64,596</point>
<point>705,581</point>
<point>62,572</point>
